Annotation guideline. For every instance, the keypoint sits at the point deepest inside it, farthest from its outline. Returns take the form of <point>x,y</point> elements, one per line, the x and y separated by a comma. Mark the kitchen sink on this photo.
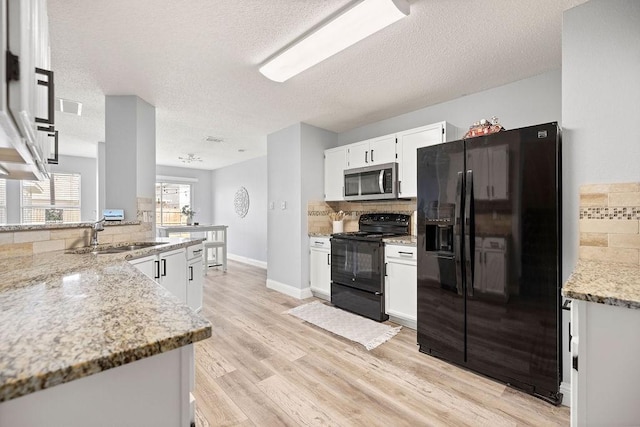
<point>115,249</point>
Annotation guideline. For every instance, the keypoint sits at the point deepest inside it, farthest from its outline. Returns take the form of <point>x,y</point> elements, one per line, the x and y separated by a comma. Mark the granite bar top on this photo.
<point>605,283</point>
<point>60,225</point>
<point>65,316</point>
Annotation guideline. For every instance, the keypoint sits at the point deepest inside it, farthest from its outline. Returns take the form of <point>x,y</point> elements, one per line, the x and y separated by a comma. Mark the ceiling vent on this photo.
<point>68,106</point>
<point>216,139</point>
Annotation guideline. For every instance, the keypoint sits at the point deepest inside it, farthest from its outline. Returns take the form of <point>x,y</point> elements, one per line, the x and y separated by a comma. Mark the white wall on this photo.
<point>284,256</point>
<point>202,190</point>
<point>247,237</point>
<point>600,104</point>
<point>523,103</point>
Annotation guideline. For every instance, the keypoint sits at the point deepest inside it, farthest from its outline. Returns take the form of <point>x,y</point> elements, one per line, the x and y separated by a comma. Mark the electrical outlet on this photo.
<point>283,205</point>
<point>272,205</point>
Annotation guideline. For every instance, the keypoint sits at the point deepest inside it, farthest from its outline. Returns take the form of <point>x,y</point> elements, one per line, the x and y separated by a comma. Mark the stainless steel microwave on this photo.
<point>371,182</point>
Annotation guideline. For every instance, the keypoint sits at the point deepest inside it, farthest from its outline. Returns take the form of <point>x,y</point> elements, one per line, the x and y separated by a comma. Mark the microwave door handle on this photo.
<point>381,181</point>
<point>457,233</point>
<point>469,233</point>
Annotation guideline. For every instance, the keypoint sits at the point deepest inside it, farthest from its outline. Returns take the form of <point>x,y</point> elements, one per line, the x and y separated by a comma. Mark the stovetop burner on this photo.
<point>378,226</point>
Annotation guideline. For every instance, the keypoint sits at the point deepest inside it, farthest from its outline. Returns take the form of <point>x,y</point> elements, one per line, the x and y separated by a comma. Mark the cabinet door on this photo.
<point>499,172</point>
<point>358,155</point>
<point>147,265</point>
<point>320,272</point>
<point>401,286</point>
<point>382,150</point>
<point>194,284</point>
<point>334,165</point>
<point>173,268</point>
<point>408,144</point>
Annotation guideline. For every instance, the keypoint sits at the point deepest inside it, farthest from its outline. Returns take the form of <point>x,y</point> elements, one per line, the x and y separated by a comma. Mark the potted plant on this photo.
<point>189,213</point>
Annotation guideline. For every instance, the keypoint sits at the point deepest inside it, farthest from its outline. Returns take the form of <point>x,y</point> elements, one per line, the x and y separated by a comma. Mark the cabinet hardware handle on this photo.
<point>190,273</point>
<point>50,95</point>
<point>405,253</point>
<point>371,156</point>
<point>197,251</point>
<point>164,267</point>
<point>378,294</point>
<point>366,154</point>
<point>54,160</point>
<point>328,259</point>
<point>574,362</point>
<point>399,190</point>
<point>567,305</point>
<point>319,243</point>
<point>385,269</point>
<point>157,275</point>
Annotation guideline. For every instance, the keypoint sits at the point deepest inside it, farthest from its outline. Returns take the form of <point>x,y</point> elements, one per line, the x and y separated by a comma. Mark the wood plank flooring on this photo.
<point>265,368</point>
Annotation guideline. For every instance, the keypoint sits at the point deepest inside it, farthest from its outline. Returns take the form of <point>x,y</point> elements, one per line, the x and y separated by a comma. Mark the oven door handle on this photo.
<point>457,226</point>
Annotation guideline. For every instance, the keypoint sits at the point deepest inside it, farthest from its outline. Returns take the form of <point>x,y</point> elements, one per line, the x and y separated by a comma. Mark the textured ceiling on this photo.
<point>197,61</point>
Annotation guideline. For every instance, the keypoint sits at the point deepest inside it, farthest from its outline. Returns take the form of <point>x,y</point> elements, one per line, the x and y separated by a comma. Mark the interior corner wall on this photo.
<point>314,141</point>
<point>202,192</point>
<point>600,104</point>
<point>247,237</point>
<point>146,150</point>
<point>522,103</point>
<point>600,111</point>
<point>284,252</point>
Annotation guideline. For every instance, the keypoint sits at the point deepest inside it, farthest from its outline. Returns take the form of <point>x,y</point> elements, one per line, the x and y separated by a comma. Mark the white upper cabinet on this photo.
<point>26,89</point>
<point>335,161</point>
<point>408,143</point>
<point>375,151</point>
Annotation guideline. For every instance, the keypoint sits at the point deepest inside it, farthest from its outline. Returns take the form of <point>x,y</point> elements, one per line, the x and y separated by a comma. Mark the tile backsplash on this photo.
<point>610,222</point>
<point>318,221</point>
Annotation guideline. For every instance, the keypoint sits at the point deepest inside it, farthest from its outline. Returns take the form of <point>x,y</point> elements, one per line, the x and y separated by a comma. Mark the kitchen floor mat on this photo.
<point>356,328</point>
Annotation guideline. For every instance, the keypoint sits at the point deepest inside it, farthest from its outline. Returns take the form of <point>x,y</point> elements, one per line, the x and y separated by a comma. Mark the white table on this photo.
<point>216,236</point>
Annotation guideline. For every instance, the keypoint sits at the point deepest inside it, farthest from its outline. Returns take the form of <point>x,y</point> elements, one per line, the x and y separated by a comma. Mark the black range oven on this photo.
<point>357,264</point>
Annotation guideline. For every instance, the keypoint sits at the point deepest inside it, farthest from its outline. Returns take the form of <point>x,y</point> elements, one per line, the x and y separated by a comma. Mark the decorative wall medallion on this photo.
<point>241,202</point>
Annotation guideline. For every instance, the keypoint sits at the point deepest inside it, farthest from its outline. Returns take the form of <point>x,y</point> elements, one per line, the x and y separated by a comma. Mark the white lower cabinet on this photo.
<point>320,267</point>
<point>178,271</point>
<point>605,367</point>
<point>401,284</point>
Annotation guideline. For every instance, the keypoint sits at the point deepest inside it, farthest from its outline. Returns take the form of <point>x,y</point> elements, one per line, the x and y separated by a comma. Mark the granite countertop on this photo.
<point>604,283</point>
<point>401,240</point>
<point>65,316</point>
<point>59,225</point>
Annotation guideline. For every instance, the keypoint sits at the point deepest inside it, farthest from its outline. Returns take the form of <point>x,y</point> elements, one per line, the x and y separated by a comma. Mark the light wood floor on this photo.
<point>265,368</point>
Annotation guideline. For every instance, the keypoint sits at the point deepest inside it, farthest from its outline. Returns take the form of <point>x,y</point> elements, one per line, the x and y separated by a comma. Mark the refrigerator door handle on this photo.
<point>457,234</point>
<point>469,233</point>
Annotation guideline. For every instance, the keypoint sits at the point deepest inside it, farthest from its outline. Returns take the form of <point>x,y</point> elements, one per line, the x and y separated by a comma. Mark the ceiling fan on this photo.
<point>190,158</point>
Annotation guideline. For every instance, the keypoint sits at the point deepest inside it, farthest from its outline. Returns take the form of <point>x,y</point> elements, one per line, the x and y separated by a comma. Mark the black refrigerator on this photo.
<point>489,261</point>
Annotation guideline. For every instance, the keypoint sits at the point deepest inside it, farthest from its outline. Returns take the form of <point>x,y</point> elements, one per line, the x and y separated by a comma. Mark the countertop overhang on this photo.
<point>66,316</point>
<point>605,283</point>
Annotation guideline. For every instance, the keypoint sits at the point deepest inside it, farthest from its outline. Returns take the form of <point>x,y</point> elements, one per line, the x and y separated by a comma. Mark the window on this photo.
<point>3,201</point>
<point>170,198</point>
<point>39,197</point>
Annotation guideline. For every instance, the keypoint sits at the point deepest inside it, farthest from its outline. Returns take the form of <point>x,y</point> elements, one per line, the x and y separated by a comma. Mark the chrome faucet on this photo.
<point>97,227</point>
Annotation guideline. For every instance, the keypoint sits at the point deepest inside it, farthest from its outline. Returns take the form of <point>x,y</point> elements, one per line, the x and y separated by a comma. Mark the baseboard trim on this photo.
<point>292,291</point>
<point>565,389</point>
<point>245,260</point>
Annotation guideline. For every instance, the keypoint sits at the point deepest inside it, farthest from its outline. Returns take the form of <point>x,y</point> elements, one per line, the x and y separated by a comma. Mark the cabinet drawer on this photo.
<point>402,252</point>
<point>319,242</point>
<point>194,251</point>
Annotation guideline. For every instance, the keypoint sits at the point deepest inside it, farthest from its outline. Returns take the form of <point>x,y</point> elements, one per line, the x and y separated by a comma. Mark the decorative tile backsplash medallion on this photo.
<point>610,222</point>
<point>318,221</point>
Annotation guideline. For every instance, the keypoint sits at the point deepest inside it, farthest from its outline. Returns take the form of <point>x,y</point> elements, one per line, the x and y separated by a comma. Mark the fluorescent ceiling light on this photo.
<point>358,22</point>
